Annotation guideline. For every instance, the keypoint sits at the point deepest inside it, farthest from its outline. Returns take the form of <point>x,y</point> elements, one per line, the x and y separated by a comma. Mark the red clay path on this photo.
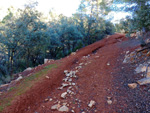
<point>101,77</point>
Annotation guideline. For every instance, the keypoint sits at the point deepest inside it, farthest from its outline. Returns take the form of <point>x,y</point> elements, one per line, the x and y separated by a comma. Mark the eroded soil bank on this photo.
<point>95,80</point>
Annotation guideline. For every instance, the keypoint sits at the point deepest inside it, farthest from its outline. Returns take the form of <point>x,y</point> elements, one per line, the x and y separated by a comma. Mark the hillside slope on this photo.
<point>93,79</point>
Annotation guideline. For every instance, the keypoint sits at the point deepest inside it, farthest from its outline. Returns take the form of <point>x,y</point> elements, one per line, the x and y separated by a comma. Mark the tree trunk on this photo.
<point>11,62</point>
<point>90,24</point>
<point>28,56</point>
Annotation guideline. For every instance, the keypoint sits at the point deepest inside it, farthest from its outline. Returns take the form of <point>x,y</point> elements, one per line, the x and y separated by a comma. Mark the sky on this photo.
<point>66,7</point>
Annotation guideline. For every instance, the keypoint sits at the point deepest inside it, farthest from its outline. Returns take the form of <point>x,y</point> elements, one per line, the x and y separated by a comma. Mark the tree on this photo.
<point>91,17</point>
<point>26,39</point>
<point>140,10</point>
<point>64,36</point>
<point>23,39</point>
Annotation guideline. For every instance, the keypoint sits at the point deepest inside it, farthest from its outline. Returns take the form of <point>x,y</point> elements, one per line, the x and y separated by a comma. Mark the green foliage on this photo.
<point>140,10</point>
<point>26,39</point>
<point>64,35</point>
<point>91,20</point>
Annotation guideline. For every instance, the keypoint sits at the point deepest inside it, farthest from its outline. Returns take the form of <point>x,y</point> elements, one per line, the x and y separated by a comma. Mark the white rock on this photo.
<point>69,91</point>
<point>92,103</point>
<point>48,60</point>
<point>75,76</point>
<point>140,68</point>
<point>65,71</point>
<point>60,88</point>
<point>68,74</point>
<point>54,107</point>
<point>108,64</point>
<point>70,87</point>
<point>66,79</point>
<point>64,104</point>
<point>126,59</point>
<point>63,95</point>
<point>65,85</point>
<point>73,73</point>
<point>47,77</point>
<point>80,64</point>
<point>50,99</point>
<point>78,67</point>
<point>19,78</point>
<point>46,99</point>
<point>109,102</point>
<point>73,84</point>
<point>72,111</point>
<point>144,81</point>
<point>28,69</point>
<point>132,85</point>
<point>127,52</point>
<point>73,53</point>
<point>63,109</point>
<point>86,63</point>
<point>70,80</point>
<point>45,60</point>
<point>108,98</point>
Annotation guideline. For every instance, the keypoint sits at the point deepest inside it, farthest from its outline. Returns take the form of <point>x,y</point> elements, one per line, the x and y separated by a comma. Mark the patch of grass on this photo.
<point>7,102</point>
<point>1,108</point>
<point>51,66</point>
<point>24,86</point>
<point>11,89</point>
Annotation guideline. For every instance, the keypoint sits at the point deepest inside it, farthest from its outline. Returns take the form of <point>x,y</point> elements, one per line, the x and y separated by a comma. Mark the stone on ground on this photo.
<point>63,109</point>
<point>19,78</point>
<point>109,102</point>
<point>132,85</point>
<point>28,69</point>
<point>92,103</point>
<point>63,95</point>
<point>144,81</point>
<point>54,107</point>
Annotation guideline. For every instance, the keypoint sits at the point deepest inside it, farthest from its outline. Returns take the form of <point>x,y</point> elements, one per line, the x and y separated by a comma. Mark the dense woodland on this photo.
<point>27,37</point>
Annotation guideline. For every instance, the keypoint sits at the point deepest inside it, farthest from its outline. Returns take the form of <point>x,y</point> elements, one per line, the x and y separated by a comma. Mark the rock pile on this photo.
<point>139,56</point>
<point>129,57</point>
<point>136,56</point>
<point>69,89</point>
<point>69,86</point>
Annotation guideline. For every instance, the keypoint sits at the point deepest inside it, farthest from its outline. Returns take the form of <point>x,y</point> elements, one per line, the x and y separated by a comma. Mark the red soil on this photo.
<point>104,76</point>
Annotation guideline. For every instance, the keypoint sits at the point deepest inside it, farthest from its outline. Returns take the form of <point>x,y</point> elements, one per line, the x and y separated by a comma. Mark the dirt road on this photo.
<point>95,80</point>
